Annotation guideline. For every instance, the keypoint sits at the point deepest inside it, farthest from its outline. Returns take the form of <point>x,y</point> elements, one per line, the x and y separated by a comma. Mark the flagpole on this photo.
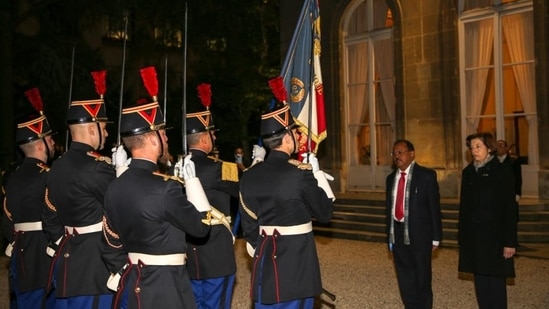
<point>311,83</point>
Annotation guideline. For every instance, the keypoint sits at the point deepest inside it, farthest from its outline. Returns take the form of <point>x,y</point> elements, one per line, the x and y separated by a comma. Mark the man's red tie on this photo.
<point>399,205</point>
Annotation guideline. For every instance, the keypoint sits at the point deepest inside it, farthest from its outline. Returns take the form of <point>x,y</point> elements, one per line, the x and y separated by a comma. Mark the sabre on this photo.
<point>122,78</point>
<point>70,96</point>
<point>330,295</point>
<point>184,104</point>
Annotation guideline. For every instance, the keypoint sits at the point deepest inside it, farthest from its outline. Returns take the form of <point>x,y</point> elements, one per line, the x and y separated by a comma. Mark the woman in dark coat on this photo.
<point>487,222</point>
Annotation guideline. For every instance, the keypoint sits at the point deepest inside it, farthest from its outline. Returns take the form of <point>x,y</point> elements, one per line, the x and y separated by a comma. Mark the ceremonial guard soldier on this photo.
<point>23,207</point>
<point>211,261</point>
<point>279,197</point>
<point>151,215</point>
<point>76,187</point>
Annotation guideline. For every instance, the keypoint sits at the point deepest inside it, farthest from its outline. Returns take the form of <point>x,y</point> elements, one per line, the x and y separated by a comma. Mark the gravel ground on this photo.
<point>361,275</point>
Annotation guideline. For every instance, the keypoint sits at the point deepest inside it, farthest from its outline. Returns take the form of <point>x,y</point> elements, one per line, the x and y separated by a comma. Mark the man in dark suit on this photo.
<point>414,226</point>
<point>505,157</point>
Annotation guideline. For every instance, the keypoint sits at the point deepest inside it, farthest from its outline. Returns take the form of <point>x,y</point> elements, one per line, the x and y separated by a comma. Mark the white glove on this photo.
<point>114,279</point>
<point>323,184</point>
<point>328,176</point>
<point>258,154</point>
<point>321,177</point>
<point>184,168</point>
<point>188,170</point>
<point>120,160</point>
<point>51,249</point>
<point>178,167</point>
<point>119,156</point>
<point>196,195</point>
<point>311,159</point>
<point>9,249</point>
<point>250,249</point>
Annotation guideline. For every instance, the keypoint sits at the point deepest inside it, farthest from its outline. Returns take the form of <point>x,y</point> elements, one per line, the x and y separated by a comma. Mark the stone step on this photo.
<point>364,219</point>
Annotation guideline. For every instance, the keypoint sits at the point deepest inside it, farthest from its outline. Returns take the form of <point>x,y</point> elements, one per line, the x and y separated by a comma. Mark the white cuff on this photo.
<point>250,249</point>
<point>323,183</point>
<point>196,195</point>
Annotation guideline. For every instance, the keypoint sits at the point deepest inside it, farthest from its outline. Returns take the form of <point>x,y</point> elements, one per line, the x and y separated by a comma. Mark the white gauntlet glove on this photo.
<point>258,154</point>
<point>9,249</point>
<point>114,279</point>
<point>321,177</point>
<point>120,160</point>
<point>52,247</point>
<point>193,187</point>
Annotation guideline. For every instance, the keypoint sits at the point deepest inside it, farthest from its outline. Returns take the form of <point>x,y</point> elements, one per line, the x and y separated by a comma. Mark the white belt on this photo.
<point>159,260</point>
<point>98,227</point>
<point>287,230</point>
<point>28,226</point>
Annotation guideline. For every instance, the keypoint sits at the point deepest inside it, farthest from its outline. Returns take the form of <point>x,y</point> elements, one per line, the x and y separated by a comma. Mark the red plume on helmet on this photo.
<point>33,126</point>
<point>278,89</point>
<point>205,94</point>
<point>148,75</point>
<point>33,95</point>
<point>99,79</point>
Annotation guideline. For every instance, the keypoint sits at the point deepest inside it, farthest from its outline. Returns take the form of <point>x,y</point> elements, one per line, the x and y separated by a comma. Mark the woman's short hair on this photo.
<point>487,139</point>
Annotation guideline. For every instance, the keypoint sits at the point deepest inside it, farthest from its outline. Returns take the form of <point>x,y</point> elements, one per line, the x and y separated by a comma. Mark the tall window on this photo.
<point>498,74</point>
<point>369,82</point>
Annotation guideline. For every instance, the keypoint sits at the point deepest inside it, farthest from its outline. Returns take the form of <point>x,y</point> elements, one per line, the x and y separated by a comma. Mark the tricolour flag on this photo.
<point>303,78</point>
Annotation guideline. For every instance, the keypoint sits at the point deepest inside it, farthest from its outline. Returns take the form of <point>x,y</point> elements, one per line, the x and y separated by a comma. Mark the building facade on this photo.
<point>432,72</point>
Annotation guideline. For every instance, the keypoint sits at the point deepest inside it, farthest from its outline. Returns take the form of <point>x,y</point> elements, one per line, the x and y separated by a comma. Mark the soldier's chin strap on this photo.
<point>161,143</point>
<point>48,157</point>
<point>211,139</point>
<point>100,136</point>
<point>296,150</point>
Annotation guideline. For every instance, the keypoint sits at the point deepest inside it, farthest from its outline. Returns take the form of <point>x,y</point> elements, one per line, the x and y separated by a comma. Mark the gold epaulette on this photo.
<point>168,177</point>
<point>99,157</point>
<point>300,165</point>
<point>229,170</point>
<point>43,167</point>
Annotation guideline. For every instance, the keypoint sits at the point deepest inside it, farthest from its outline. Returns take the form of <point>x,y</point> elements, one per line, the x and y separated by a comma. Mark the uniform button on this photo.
<point>137,289</point>
<point>66,255</point>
